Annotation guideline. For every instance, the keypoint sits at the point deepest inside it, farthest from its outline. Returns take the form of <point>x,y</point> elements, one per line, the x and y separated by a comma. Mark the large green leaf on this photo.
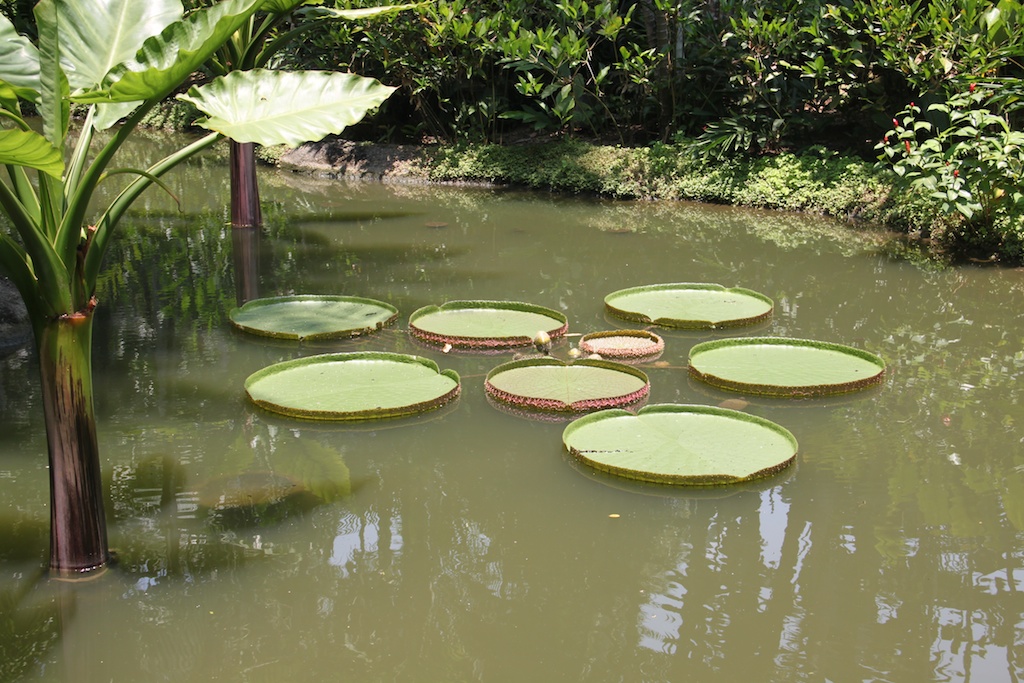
<point>352,386</point>
<point>352,14</point>
<point>777,366</point>
<point>690,305</point>
<point>550,384</point>
<point>681,444</point>
<point>485,324</point>
<point>19,61</point>
<point>166,60</point>
<point>285,108</point>
<point>27,148</point>
<point>97,35</point>
<point>313,317</point>
<point>53,83</point>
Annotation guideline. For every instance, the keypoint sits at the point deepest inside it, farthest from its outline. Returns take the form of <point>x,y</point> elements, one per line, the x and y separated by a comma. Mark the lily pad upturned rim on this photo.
<point>484,342</point>
<point>369,413</point>
<point>638,352</point>
<point>552,405</point>
<point>710,479</point>
<point>787,391</point>
<point>257,304</point>
<point>679,323</point>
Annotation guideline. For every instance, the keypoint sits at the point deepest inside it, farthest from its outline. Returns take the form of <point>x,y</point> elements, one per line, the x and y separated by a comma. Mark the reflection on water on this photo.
<point>465,544</point>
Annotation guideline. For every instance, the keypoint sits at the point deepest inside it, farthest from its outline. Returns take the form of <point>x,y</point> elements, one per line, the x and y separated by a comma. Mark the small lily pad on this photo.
<point>313,317</point>
<point>624,345</point>
<point>549,384</point>
<point>352,386</point>
<point>485,324</point>
<point>681,444</point>
<point>776,366</point>
<point>690,305</point>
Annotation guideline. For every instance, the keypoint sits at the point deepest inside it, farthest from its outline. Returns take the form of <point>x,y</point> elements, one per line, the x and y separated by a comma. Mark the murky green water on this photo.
<point>465,544</point>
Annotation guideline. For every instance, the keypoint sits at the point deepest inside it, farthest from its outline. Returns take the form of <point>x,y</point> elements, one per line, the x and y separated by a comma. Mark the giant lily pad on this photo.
<point>352,386</point>
<point>551,385</point>
<point>690,305</point>
<point>775,366</point>
<point>313,317</point>
<point>485,324</point>
<point>681,444</point>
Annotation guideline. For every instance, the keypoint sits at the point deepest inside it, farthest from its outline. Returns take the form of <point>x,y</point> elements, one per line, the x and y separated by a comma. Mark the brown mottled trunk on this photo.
<point>78,528</point>
<point>245,193</point>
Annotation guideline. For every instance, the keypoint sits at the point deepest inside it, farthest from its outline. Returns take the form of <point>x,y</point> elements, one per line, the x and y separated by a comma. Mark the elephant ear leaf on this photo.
<point>285,108</point>
<point>166,60</point>
<point>97,35</point>
<point>19,62</point>
<point>30,149</point>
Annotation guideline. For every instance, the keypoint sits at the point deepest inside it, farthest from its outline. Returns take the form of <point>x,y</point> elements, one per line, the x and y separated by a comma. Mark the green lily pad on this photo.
<point>681,444</point>
<point>352,386</point>
<point>624,345</point>
<point>549,384</point>
<point>485,324</point>
<point>313,317</point>
<point>690,305</point>
<point>775,366</point>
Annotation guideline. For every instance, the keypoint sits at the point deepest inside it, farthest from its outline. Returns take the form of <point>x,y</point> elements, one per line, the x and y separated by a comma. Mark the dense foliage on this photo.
<point>737,75</point>
<point>718,80</point>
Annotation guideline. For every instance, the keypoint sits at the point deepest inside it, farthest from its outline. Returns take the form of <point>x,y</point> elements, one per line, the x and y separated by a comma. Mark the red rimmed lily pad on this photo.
<point>776,366</point>
<point>483,325</point>
<point>690,305</point>
<point>548,384</point>
<point>623,345</point>
<point>313,317</point>
<point>681,444</point>
<point>352,386</point>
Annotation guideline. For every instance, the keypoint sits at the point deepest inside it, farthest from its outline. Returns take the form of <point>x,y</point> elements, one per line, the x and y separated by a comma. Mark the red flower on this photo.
<point>973,85</point>
<point>907,144</point>
<point>956,174</point>
<point>895,123</point>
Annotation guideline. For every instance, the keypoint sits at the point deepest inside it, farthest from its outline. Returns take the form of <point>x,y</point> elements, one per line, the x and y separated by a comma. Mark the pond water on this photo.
<point>465,544</point>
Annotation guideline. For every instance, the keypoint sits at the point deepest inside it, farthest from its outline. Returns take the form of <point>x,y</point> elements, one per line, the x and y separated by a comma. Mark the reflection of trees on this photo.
<point>466,546</point>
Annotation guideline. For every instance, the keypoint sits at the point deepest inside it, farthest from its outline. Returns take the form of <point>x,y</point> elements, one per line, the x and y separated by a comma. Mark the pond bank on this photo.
<point>820,181</point>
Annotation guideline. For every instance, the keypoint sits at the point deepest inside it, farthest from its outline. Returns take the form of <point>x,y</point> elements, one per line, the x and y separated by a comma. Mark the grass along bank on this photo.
<point>819,182</point>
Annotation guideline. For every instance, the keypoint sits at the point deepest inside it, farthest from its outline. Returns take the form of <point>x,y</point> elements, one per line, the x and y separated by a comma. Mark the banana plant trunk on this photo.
<point>78,529</point>
<point>245,193</point>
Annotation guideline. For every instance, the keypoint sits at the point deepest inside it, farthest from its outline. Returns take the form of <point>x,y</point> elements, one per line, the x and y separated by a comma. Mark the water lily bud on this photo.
<point>542,341</point>
<point>574,353</point>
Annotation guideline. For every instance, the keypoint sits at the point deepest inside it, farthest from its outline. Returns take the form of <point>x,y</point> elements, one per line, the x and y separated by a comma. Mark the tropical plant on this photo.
<point>119,58</point>
<point>254,46</point>
<point>969,159</point>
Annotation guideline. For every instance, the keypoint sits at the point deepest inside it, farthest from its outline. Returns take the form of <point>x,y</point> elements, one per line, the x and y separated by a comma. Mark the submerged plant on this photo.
<point>119,58</point>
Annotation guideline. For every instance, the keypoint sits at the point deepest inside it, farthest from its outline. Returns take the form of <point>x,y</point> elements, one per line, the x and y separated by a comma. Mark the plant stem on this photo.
<point>78,531</point>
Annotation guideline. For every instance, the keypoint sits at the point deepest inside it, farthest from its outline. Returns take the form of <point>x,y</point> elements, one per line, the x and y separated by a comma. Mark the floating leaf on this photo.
<point>775,366</point>
<point>690,305</point>
<point>352,386</point>
<point>485,324</point>
<point>625,345</point>
<point>681,444</point>
<point>551,385</point>
<point>313,317</point>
